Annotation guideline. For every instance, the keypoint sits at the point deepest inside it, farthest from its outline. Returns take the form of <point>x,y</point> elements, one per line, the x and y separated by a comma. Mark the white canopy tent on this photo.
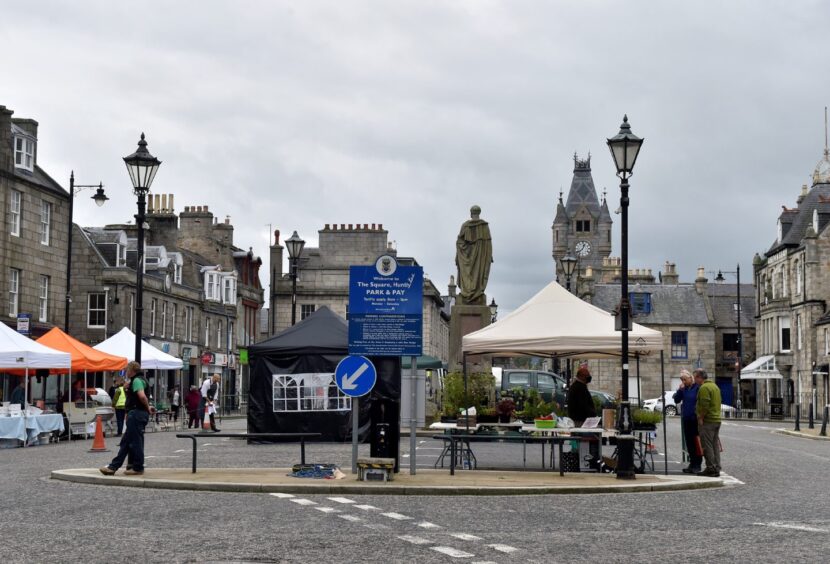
<point>123,344</point>
<point>555,322</point>
<point>762,368</point>
<point>20,353</point>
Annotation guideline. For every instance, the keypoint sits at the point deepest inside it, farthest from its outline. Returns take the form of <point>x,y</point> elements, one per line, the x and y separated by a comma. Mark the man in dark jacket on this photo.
<point>131,447</point>
<point>580,402</point>
<point>687,395</point>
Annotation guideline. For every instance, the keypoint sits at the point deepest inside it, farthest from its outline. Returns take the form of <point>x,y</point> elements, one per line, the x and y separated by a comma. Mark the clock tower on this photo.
<point>582,226</point>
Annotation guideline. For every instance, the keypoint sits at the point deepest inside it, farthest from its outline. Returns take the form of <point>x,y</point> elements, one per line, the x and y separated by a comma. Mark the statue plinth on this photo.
<point>466,319</point>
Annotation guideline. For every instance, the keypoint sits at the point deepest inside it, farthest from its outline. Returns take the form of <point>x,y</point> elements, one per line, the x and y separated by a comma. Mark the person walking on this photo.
<point>131,447</point>
<point>209,392</point>
<point>191,402</point>
<point>175,403</point>
<point>686,397</point>
<point>708,419</point>
<point>119,402</point>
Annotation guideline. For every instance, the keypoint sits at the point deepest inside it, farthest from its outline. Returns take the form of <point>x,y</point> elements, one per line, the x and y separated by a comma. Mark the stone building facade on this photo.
<point>33,236</point>
<point>582,226</point>
<point>323,280</point>
<point>202,294</point>
<point>792,293</point>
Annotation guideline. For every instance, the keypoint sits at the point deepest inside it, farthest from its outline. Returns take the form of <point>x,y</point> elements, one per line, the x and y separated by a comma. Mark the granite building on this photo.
<point>323,280</point>
<point>792,293</point>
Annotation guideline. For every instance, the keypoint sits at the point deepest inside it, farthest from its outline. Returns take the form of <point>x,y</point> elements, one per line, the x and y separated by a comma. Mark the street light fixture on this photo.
<point>568,266</point>
<point>99,198</point>
<point>295,245</point>
<point>142,167</point>
<point>625,146</point>
<point>494,310</point>
<point>719,279</point>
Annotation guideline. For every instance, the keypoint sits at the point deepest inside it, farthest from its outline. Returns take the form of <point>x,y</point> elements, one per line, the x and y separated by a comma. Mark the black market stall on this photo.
<point>293,389</point>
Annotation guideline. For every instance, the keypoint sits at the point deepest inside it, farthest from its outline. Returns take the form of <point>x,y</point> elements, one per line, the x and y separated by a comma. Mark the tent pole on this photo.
<point>86,423</point>
<point>25,401</point>
<point>663,392</point>
<point>466,394</point>
<point>639,392</point>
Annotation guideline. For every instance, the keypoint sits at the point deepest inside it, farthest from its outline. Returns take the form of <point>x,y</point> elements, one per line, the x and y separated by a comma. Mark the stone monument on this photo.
<point>473,257</point>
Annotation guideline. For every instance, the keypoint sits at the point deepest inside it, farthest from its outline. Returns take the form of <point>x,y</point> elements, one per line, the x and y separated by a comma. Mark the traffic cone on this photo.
<point>98,444</point>
<point>206,419</point>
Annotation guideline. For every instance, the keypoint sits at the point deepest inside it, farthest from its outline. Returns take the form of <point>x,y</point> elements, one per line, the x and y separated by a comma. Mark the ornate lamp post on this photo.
<point>625,146</point>
<point>739,363</point>
<point>295,248</point>
<point>142,167</point>
<point>99,198</point>
<point>494,310</point>
<point>568,266</point>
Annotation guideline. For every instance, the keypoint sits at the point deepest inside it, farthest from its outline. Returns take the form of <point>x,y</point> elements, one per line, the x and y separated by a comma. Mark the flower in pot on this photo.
<point>505,409</point>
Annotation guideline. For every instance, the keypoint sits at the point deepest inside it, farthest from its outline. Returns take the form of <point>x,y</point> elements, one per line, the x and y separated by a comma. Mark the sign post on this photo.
<point>386,319</point>
<point>24,323</point>
<point>355,376</point>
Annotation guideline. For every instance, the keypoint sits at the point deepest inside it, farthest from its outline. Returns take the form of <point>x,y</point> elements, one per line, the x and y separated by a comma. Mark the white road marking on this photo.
<point>301,501</point>
<point>503,548</point>
<point>162,456</point>
<point>731,480</point>
<point>428,525</point>
<point>396,516</point>
<point>367,507</point>
<point>795,526</point>
<point>180,450</point>
<point>483,562</point>
<point>325,509</point>
<point>352,518</point>
<point>465,536</point>
<point>341,499</point>
<point>414,540</point>
<point>454,552</point>
<point>283,495</point>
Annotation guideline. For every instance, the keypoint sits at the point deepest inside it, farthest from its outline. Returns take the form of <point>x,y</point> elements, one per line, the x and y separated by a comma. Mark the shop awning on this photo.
<point>762,368</point>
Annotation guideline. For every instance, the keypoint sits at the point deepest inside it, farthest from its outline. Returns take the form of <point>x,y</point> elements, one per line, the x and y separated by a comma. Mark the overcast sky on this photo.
<point>297,114</point>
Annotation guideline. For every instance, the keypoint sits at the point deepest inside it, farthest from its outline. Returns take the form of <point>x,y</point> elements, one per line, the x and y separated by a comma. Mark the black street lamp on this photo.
<point>625,146</point>
<point>142,167</point>
<point>99,198</point>
<point>719,279</point>
<point>295,249</point>
<point>568,264</point>
<point>494,310</point>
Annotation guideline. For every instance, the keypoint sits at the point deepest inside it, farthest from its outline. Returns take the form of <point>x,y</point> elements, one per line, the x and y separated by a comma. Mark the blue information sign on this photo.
<point>386,309</point>
<point>355,376</point>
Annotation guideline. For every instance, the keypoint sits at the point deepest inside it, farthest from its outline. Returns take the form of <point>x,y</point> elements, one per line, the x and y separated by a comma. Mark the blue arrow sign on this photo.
<point>355,376</point>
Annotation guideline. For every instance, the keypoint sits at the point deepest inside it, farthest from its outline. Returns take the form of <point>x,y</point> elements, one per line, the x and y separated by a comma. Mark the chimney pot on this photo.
<point>164,208</point>
<point>326,227</point>
<point>172,209</point>
<point>343,226</point>
<point>365,226</point>
<point>380,226</point>
<point>374,226</point>
<point>351,226</point>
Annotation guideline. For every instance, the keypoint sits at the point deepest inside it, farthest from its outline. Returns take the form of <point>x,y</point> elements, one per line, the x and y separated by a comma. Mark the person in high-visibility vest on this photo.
<point>119,402</point>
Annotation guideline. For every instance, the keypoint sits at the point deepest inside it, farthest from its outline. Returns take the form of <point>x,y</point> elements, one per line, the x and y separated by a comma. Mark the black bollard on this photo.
<point>810,420</point>
<point>823,432</point>
<point>797,417</point>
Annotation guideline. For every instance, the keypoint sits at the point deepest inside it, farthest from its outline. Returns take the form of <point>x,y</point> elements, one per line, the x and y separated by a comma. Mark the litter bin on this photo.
<point>776,408</point>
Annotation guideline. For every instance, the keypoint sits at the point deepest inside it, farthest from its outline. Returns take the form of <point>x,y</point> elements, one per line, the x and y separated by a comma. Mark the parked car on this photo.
<point>606,400</point>
<point>656,404</point>
<point>551,386</point>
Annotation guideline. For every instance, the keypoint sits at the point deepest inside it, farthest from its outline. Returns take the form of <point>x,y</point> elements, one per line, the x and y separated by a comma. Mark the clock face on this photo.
<point>583,248</point>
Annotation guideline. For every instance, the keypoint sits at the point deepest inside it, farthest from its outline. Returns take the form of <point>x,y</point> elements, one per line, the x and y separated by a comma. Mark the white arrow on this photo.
<point>349,383</point>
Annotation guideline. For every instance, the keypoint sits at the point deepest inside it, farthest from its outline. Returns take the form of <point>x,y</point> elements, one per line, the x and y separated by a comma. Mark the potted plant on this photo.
<point>505,409</point>
<point>488,415</point>
<point>646,420</point>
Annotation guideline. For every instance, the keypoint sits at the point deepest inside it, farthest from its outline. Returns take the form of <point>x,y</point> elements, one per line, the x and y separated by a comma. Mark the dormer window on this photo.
<point>213,289</point>
<point>24,153</point>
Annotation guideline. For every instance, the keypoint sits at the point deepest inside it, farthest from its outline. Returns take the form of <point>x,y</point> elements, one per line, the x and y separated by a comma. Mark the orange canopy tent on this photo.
<point>84,357</point>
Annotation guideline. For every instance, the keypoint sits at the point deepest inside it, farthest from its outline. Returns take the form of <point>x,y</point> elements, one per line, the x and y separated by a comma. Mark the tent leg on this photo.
<point>25,401</point>
<point>466,393</point>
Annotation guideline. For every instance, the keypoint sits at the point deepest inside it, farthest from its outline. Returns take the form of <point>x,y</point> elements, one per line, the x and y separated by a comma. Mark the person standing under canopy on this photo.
<point>473,257</point>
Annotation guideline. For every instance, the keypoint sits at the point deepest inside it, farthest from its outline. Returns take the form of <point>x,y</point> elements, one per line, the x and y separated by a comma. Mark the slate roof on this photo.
<point>582,192</point>
<point>723,297</point>
<point>670,304</point>
<point>794,223</point>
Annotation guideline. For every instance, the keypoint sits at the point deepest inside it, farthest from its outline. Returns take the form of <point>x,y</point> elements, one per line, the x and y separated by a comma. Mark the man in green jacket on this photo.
<point>708,419</point>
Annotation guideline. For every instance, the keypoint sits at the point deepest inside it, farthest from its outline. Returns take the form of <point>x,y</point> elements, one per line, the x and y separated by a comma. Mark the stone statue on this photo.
<point>473,256</point>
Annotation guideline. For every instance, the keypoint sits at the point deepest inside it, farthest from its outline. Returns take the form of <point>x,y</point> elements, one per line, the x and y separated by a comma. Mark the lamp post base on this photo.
<point>625,460</point>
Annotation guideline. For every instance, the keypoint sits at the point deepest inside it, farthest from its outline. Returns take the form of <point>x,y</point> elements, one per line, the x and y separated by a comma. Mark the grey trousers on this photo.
<point>709,433</point>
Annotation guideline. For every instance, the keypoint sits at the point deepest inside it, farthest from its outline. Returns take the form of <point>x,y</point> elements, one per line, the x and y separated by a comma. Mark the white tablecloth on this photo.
<point>22,427</point>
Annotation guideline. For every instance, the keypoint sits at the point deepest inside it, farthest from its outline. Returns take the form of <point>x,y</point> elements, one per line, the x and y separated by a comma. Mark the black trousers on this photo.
<point>690,433</point>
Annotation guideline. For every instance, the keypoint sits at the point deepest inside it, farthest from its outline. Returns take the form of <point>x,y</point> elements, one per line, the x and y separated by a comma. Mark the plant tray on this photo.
<point>545,423</point>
